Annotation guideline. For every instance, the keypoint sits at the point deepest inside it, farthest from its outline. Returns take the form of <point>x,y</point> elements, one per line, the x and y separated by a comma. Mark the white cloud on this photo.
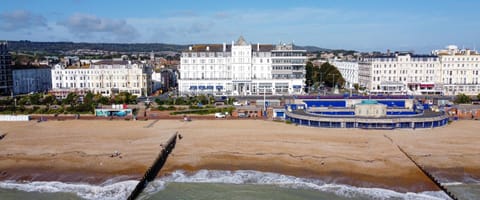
<point>87,26</point>
<point>265,26</point>
<point>21,20</point>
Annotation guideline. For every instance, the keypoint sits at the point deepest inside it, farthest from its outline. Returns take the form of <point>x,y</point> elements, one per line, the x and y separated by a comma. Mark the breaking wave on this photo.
<point>113,189</point>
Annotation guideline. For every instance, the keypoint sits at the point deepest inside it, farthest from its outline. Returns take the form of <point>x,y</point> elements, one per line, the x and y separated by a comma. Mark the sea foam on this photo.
<point>121,190</point>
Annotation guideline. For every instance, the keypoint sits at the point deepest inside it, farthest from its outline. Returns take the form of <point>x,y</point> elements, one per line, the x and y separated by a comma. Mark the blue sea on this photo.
<point>214,184</point>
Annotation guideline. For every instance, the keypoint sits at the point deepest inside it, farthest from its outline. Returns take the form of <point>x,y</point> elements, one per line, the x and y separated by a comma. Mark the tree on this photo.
<point>356,86</point>
<point>462,98</point>
<point>211,100</point>
<point>101,99</point>
<point>125,97</point>
<point>35,98</point>
<point>72,99</point>
<point>230,100</point>
<point>88,99</point>
<point>331,75</point>
<point>309,74</point>
<point>25,100</point>
<point>478,96</point>
<point>202,99</point>
<point>49,100</point>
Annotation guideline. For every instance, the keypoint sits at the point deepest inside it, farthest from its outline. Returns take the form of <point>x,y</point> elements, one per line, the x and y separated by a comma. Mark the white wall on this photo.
<point>14,118</point>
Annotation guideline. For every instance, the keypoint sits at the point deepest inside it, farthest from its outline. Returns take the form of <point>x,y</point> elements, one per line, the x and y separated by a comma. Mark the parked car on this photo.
<point>219,115</point>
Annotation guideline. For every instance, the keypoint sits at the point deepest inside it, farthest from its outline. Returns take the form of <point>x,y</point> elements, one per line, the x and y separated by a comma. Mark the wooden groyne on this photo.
<point>429,175</point>
<point>151,124</point>
<point>2,136</point>
<point>157,165</point>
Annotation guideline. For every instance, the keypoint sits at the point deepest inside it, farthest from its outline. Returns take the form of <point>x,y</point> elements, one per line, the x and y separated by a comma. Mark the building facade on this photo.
<point>156,81</point>
<point>242,69</point>
<point>32,79</point>
<point>106,77</point>
<point>165,80</point>
<point>349,71</point>
<point>449,71</point>
<point>6,83</point>
<point>402,73</point>
<point>460,70</point>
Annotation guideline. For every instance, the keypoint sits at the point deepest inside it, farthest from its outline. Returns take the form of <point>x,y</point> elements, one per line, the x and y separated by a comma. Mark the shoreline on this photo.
<point>98,178</point>
<point>62,151</point>
<point>405,183</point>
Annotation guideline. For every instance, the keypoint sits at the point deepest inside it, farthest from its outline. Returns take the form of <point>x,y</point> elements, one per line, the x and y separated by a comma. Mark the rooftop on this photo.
<point>21,67</point>
<point>241,41</point>
<point>115,62</point>
<point>228,48</point>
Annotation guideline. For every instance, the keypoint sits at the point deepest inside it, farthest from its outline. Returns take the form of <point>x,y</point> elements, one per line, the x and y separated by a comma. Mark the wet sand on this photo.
<point>80,151</point>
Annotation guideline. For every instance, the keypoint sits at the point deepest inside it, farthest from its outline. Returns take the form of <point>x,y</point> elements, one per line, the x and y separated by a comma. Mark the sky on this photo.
<point>362,25</point>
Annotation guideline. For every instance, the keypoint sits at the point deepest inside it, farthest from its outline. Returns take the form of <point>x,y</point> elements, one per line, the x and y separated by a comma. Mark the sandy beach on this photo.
<point>80,151</point>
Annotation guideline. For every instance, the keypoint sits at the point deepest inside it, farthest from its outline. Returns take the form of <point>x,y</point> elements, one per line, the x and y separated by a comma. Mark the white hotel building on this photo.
<point>402,73</point>
<point>460,70</point>
<point>349,71</point>
<point>242,69</point>
<point>105,77</point>
<point>450,72</point>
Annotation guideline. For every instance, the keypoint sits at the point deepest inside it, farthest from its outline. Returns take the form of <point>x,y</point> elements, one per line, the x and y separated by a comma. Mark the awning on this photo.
<point>193,87</point>
<point>427,85</point>
<point>219,87</point>
<point>297,86</point>
<point>210,87</point>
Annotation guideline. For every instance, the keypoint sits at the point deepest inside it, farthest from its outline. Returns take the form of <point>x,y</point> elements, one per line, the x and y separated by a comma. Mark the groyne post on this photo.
<point>423,170</point>
<point>429,175</point>
<point>153,170</point>
<point>2,136</point>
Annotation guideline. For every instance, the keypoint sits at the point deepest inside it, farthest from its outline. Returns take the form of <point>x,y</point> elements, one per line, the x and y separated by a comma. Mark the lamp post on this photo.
<point>264,100</point>
<point>321,78</point>
<point>334,83</point>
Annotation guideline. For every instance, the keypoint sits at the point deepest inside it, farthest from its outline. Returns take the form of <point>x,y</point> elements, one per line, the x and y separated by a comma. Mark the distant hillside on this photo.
<point>312,48</point>
<point>61,47</point>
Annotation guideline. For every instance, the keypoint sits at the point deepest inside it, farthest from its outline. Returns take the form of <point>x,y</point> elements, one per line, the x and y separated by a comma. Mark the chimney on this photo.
<point>258,46</point>
<point>190,48</point>
<point>224,47</point>
<point>208,48</point>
